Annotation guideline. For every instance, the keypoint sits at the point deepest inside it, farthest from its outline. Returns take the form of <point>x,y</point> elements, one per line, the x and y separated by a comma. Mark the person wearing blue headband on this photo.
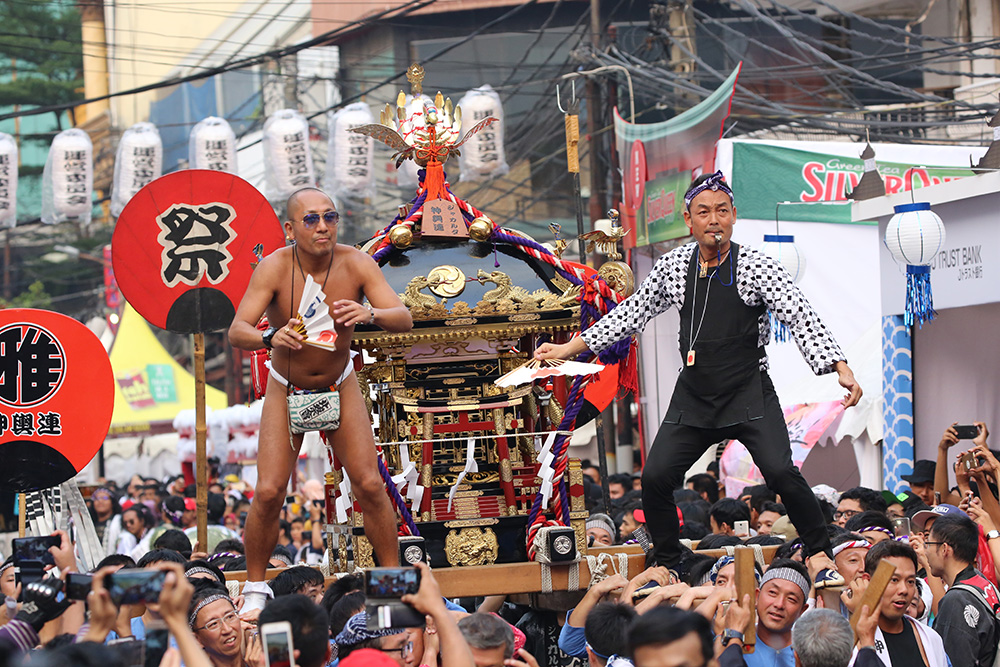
<point>724,292</point>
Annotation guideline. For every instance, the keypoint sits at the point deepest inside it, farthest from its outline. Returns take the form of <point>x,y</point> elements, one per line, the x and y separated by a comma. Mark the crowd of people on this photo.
<point>939,608</point>
<point>131,520</point>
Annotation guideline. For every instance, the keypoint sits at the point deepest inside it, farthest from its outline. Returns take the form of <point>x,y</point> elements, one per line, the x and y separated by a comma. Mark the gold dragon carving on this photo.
<point>471,546</point>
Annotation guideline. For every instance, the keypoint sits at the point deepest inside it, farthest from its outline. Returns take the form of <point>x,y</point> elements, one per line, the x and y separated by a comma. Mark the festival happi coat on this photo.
<point>474,470</point>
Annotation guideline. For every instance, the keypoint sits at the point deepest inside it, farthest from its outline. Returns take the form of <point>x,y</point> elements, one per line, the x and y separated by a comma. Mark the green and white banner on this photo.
<point>764,175</point>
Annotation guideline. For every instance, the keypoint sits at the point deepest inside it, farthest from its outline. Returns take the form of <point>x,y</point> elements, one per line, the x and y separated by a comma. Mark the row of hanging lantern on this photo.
<point>67,181</point>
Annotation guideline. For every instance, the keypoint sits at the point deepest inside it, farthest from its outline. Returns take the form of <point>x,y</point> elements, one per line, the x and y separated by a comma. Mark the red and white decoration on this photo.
<point>407,175</point>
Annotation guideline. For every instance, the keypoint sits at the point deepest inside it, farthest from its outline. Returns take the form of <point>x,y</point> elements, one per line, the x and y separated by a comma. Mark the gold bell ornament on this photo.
<point>481,229</point>
<point>401,236</point>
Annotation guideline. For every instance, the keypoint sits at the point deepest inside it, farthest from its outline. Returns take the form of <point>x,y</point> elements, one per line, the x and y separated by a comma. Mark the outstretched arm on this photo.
<point>661,289</point>
<point>948,440</point>
<point>815,342</point>
<point>453,647</point>
<point>570,350</point>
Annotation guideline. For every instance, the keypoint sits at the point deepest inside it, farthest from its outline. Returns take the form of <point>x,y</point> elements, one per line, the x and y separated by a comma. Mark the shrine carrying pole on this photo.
<point>200,433</point>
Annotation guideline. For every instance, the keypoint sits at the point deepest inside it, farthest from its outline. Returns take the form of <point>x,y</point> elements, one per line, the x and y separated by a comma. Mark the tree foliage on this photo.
<point>35,297</point>
<point>40,44</point>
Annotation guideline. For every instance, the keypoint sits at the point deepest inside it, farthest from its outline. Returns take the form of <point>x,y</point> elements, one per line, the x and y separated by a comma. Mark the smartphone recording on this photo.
<point>384,586</point>
<point>34,549</point>
<point>135,586</point>
<point>967,432</point>
<point>391,582</point>
<point>278,648</point>
<point>78,585</point>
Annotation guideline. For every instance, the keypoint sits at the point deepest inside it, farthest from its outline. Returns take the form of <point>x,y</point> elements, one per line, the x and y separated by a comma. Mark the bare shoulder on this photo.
<point>273,267</point>
<point>356,259</point>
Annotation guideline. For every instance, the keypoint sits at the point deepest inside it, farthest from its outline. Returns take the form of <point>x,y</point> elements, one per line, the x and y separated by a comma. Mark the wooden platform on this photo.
<point>509,579</point>
<point>516,578</point>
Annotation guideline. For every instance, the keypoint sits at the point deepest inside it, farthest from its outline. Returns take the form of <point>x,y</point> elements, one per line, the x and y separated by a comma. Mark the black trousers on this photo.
<point>677,447</point>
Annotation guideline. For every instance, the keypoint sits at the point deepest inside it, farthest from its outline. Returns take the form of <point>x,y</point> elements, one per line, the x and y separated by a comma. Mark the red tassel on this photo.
<point>434,181</point>
<point>628,373</point>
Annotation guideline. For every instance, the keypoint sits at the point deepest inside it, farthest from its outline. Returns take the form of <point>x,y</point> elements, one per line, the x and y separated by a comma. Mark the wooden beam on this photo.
<point>498,579</point>
<point>873,594</point>
<point>746,584</point>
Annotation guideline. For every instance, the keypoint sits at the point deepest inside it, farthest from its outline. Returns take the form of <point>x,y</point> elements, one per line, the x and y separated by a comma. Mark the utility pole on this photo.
<point>605,423</point>
<point>597,204</point>
<point>674,22</point>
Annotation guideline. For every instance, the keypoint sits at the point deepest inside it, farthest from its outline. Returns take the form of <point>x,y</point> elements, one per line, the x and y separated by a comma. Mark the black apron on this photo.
<point>723,387</point>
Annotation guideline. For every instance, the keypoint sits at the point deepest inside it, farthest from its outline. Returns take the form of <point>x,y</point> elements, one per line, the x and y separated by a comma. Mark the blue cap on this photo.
<point>921,517</point>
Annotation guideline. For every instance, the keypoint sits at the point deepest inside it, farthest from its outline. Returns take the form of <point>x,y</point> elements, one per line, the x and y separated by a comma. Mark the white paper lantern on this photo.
<point>139,162</point>
<point>483,154</point>
<point>212,146</point>
<point>350,165</point>
<point>288,164</point>
<point>914,234</point>
<point>783,249</point>
<point>8,180</point>
<point>68,179</point>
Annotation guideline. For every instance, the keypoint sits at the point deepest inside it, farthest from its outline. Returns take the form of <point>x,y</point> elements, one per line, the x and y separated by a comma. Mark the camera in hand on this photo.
<point>135,586</point>
<point>279,649</point>
<point>384,586</point>
<point>31,555</point>
<point>78,585</point>
<point>970,432</point>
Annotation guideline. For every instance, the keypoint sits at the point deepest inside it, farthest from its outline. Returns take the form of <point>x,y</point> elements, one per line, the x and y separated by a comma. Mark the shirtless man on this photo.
<point>347,276</point>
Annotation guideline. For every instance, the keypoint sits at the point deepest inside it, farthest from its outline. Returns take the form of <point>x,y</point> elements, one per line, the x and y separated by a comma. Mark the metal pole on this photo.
<point>593,115</point>
<point>572,122</point>
<point>602,463</point>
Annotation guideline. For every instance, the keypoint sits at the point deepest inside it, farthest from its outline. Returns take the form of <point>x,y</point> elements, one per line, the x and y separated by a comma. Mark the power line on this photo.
<point>251,61</point>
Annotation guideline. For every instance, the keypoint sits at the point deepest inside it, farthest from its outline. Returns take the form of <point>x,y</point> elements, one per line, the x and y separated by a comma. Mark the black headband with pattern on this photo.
<point>716,181</point>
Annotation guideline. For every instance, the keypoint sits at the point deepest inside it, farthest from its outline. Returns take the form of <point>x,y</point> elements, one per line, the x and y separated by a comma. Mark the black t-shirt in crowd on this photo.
<point>903,647</point>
